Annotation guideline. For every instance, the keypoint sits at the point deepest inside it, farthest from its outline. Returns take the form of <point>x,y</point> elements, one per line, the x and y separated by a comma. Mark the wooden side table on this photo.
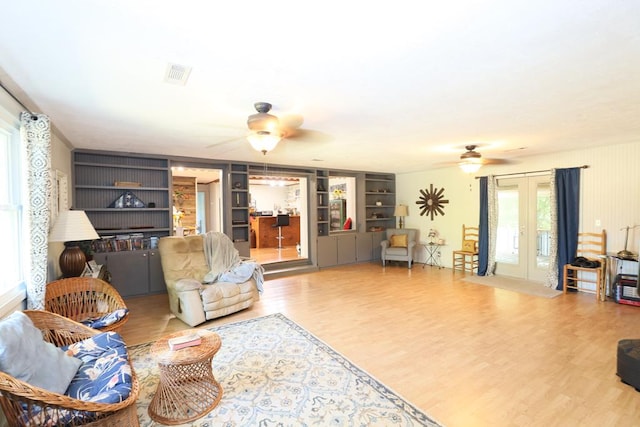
<point>187,389</point>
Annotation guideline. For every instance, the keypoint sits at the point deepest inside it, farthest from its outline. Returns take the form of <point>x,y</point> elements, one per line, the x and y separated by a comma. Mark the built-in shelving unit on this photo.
<point>322,193</point>
<point>380,201</point>
<point>101,179</point>
<point>240,226</point>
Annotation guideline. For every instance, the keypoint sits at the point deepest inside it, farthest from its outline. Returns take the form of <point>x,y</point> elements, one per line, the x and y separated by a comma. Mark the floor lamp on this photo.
<point>72,227</point>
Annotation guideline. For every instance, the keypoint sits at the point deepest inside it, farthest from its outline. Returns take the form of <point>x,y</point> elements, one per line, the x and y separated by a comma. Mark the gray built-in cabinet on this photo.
<point>100,178</point>
<point>380,201</point>
<point>134,272</point>
<point>99,181</point>
<point>348,248</point>
<point>376,205</point>
<point>240,225</point>
<point>322,202</point>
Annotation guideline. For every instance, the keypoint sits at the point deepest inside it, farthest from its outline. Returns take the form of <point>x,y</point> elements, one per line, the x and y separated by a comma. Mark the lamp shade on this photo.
<point>401,210</point>
<point>264,140</point>
<point>470,166</point>
<point>72,226</point>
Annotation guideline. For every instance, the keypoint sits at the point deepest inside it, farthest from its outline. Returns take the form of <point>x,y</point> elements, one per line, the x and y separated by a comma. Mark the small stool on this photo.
<point>187,389</point>
<point>629,362</point>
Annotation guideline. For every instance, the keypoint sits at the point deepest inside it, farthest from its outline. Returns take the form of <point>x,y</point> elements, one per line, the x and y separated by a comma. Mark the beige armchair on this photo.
<point>399,245</point>
<point>184,265</point>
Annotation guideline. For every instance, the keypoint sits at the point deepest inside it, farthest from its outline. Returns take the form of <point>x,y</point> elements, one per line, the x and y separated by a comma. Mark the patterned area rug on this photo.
<point>514,284</point>
<point>275,373</point>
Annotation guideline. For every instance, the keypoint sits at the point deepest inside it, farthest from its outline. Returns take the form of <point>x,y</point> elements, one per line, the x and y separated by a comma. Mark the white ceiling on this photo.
<point>396,87</point>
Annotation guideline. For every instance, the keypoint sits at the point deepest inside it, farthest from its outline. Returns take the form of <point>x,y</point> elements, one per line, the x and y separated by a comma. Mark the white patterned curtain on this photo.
<point>492,201</point>
<point>552,274</point>
<point>36,145</point>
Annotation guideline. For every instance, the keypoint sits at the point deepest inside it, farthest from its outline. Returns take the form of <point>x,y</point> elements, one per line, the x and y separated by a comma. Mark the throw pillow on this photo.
<point>25,355</point>
<point>98,322</point>
<point>469,245</point>
<point>399,241</point>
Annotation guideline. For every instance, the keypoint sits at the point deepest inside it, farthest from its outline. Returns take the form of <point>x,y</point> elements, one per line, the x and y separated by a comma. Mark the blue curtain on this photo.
<point>483,232</point>
<point>568,202</point>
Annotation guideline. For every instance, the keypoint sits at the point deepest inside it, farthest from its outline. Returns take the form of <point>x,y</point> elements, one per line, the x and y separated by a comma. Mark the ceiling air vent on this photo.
<point>177,74</point>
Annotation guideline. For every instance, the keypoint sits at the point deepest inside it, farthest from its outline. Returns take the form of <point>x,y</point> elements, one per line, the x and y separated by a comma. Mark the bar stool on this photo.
<point>282,220</point>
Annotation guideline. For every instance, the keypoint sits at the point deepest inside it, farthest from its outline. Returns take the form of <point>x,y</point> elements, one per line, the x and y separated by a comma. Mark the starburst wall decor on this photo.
<point>431,201</point>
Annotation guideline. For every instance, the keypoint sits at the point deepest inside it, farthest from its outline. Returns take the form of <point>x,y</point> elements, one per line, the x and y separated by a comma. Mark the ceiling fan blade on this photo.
<point>225,141</point>
<point>307,135</point>
<point>291,121</point>
<point>495,161</point>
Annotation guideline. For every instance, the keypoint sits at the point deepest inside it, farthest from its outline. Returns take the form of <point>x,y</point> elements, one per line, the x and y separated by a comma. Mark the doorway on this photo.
<point>197,200</point>
<point>271,196</point>
<point>524,227</point>
<point>198,208</point>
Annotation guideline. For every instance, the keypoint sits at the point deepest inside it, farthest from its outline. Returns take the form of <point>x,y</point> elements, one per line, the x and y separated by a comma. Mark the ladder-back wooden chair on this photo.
<point>589,265</point>
<point>466,259</point>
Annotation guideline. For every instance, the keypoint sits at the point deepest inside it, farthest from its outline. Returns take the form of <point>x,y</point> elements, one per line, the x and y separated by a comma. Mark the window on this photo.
<point>12,256</point>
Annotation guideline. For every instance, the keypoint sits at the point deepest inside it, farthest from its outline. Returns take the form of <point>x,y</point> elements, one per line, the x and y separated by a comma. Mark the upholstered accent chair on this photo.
<point>399,245</point>
<point>185,267</point>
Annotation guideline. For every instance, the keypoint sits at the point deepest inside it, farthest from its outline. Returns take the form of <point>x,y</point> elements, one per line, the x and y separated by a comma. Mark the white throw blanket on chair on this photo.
<point>225,263</point>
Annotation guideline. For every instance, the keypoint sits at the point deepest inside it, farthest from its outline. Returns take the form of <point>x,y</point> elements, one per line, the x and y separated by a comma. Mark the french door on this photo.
<point>524,227</point>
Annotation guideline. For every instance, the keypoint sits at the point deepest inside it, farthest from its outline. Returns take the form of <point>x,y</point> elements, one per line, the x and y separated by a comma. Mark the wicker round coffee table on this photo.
<point>187,389</point>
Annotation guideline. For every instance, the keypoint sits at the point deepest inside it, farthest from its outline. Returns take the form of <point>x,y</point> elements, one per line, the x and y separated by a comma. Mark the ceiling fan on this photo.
<point>471,160</point>
<point>266,129</point>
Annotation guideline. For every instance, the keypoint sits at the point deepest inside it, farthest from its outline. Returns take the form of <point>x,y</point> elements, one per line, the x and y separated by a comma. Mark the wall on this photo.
<point>268,198</point>
<point>610,192</point>
<point>60,161</point>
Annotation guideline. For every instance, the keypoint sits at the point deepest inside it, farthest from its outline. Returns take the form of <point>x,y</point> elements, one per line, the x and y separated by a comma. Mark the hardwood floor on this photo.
<point>269,255</point>
<point>466,354</point>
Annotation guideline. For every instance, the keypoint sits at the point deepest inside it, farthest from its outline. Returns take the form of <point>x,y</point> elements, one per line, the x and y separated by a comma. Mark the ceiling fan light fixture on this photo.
<point>471,160</point>
<point>262,120</point>
<point>263,141</point>
<point>470,165</point>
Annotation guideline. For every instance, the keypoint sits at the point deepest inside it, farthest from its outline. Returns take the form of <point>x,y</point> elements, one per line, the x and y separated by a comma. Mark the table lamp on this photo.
<point>401,211</point>
<point>72,227</point>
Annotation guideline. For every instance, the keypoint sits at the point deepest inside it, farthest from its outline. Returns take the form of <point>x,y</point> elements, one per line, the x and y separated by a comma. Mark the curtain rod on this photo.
<point>33,116</point>
<point>526,173</point>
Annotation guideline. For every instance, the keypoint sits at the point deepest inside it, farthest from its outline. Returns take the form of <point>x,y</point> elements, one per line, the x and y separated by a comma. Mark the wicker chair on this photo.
<point>80,298</point>
<point>22,402</point>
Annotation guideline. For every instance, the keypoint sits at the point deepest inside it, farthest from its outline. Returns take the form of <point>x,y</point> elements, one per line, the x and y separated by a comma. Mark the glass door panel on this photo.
<point>511,249</point>
<point>524,224</point>
<point>508,225</point>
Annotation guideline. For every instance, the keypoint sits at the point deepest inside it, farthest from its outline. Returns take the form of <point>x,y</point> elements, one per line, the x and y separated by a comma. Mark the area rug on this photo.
<point>515,285</point>
<point>276,373</point>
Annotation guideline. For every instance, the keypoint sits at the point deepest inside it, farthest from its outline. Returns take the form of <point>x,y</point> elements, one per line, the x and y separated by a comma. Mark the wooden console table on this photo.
<point>267,234</point>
